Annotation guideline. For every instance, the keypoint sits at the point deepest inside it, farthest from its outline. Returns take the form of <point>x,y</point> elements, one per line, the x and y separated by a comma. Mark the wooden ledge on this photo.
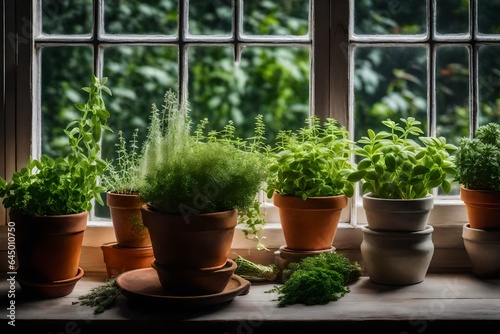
<point>442,302</point>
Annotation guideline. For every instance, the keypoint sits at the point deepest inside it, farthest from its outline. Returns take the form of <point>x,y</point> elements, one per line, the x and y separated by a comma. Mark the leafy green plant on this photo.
<point>125,176</point>
<point>314,161</point>
<point>317,279</point>
<point>394,165</point>
<point>194,173</point>
<point>478,159</point>
<point>65,185</point>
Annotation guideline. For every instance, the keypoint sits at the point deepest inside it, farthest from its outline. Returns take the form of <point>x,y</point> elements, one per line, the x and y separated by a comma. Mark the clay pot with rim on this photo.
<point>397,258</point>
<point>190,241</point>
<point>483,248</point>
<point>48,250</point>
<point>384,214</point>
<point>125,210</point>
<point>121,259</point>
<point>483,208</point>
<point>310,224</point>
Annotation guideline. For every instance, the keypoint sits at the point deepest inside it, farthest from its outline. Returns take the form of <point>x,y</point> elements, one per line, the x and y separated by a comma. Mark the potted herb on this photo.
<point>309,182</point>
<point>398,173</point>
<point>197,188</point>
<point>122,180</point>
<point>395,169</point>
<point>49,200</point>
<point>478,173</point>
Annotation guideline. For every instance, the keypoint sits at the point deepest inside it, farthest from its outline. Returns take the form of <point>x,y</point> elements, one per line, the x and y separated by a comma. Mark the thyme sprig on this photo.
<point>102,297</point>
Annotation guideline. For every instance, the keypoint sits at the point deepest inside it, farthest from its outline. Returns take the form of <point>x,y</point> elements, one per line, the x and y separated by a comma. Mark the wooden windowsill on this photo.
<point>441,302</point>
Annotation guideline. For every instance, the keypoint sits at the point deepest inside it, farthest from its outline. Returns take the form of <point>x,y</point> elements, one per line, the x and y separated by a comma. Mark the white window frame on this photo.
<point>331,96</point>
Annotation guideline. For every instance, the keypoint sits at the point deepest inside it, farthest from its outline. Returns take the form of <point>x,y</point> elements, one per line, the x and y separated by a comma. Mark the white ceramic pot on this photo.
<point>483,248</point>
<point>384,214</point>
<point>397,258</point>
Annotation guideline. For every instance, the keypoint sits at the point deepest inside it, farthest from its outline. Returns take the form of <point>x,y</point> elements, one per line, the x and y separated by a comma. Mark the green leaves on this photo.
<point>394,165</point>
<point>67,184</point>
<point>478,159</point>
<point>313,161</point>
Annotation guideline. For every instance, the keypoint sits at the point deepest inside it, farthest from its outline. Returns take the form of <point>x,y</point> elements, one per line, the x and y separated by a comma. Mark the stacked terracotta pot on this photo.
<point>132,248</point>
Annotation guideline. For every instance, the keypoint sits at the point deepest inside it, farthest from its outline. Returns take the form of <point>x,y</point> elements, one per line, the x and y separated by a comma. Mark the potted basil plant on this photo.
<point>49,201</point>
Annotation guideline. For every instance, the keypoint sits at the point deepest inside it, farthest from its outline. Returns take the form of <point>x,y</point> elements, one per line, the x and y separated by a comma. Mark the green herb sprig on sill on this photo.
<point>102,297</point>
<point>313,280</point>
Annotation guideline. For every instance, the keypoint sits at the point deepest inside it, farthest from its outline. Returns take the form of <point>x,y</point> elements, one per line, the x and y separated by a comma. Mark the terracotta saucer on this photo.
<point>144,285</point>
<point>53,289</point>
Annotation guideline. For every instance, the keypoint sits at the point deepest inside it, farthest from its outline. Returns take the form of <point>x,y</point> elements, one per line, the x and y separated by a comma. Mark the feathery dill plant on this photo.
<point>200,172</point>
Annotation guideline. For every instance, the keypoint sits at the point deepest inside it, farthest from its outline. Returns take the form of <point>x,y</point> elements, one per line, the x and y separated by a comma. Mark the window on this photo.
<point>358,61</point>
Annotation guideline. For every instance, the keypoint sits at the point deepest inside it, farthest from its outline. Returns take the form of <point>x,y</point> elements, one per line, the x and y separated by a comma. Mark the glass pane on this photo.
<point>141,17</point>
<point>278,17</point>
<point>65,70</point>
<point>210,17</point>
<point>138,77</point>
<point>389,82</point>
<point>272,81</point>
<point>489,84</point>
<point>452,92</point>
<point>67,17</point>
<point>487,16</point>
<point>381,17</point>
<point>452,17</point>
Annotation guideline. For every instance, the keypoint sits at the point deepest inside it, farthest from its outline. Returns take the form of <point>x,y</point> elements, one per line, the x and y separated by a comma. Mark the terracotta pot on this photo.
<point>190,241</point>
<point>311,224</point>
<point>195,282</point>
<point>409,215</point>
<point>121,259</point>
<point>483,248</point>
<point>125,210</point>
<point>48,248</point>
<point>397,258</point>
<point>483,208</point>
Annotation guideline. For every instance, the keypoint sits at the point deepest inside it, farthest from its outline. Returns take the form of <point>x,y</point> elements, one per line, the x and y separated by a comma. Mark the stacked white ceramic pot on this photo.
<point>397,245</point>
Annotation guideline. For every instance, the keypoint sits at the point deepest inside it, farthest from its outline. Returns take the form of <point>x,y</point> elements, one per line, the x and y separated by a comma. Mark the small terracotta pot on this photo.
<point>121,259</point>
<point>384,214</point>
<point>483,248</point>
<point>190,241</point>
<point>125,210</point>
<point>311,224</point>
<point>195,282</point>
<point>483,208</point>
<point>48,248</point>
